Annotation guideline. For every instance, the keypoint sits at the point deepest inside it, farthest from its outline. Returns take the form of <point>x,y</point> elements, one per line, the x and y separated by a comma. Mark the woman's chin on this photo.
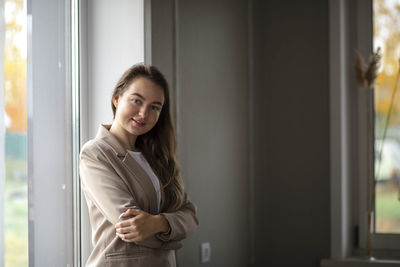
<point>137,131</point>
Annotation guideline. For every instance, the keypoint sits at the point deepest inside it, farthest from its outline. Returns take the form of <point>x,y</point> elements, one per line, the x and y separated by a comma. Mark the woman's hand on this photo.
<point>141,226</point>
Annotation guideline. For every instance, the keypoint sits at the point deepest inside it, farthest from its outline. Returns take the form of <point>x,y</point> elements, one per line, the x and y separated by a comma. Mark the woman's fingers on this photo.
<point>125,223</point>
<point>129,237</point>
<point>125,230</point>
<point>135,229</point>
<point>130,212</point>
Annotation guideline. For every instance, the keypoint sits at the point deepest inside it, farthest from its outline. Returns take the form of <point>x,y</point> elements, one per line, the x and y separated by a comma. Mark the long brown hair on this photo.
<point>159,144</point>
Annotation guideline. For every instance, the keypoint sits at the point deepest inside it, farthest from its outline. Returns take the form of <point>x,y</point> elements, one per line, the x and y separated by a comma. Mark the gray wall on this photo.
<point>209,60</point>
<point>213,125</point>
<point>209,65</point>
<point>291,51</point>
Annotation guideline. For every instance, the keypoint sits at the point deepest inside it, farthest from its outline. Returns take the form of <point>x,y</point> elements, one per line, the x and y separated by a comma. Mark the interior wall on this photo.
<point>209,54</point>
<point>212,67</point>
<point>291,52</point>
<point>290,111</point>
<point>115,41</point>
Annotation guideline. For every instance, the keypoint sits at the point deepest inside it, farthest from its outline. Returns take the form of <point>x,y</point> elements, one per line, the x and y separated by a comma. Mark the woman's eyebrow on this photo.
<point>155,102</point>
<point>139,95</point>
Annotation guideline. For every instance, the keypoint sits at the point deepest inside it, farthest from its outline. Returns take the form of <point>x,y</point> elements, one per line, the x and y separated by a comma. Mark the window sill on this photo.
<point>359,262</point>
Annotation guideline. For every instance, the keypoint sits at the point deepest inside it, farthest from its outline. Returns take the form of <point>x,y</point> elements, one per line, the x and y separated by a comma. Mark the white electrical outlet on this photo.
<point>205,252</point>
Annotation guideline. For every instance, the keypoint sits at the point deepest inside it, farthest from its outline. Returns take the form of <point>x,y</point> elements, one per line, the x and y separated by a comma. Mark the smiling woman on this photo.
<point>138,209</point>
<point>137,110</point>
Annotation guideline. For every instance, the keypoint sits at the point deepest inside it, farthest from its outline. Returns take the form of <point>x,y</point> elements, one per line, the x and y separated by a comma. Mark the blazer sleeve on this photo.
<point>182,222</point>
<point>109,193</point>
<point>102,185</point>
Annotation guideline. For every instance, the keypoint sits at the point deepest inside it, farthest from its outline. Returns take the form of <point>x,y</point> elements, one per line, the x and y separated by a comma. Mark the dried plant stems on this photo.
<point>370,170</point>
<point>373,66</point>
<point>366,76</point>
<point>360,69</point>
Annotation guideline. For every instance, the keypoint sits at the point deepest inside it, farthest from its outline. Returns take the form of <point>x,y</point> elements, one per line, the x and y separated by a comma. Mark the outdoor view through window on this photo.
<point>15,120</point>
<point>386,34</point>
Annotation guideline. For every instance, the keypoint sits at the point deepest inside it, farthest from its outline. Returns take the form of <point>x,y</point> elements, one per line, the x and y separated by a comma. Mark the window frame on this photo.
<point>50,201</point>
<point>74,15</point>
<point>351,27</point>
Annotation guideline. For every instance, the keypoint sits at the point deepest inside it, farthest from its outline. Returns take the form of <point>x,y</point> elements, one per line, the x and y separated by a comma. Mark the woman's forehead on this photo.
<point>147,89</point>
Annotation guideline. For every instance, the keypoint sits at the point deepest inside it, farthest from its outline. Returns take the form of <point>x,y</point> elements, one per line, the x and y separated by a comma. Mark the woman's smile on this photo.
<point>139,123</point>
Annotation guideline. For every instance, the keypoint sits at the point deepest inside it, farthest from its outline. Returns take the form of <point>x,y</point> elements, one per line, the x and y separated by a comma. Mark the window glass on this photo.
<point>15,121</point>
<point>386,34</point>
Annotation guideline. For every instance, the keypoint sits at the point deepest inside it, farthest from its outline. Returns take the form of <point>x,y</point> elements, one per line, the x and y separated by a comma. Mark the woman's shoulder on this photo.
<point>95,146</point>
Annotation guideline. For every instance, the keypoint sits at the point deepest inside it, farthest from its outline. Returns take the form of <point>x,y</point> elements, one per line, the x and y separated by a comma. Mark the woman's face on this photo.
<point>139,107</point>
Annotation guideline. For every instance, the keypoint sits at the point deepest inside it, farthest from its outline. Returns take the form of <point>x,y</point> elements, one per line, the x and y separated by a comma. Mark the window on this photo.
<point>35,146</point>
<point>14,212</point>
<point>351,27</point>
<point>67,75</point>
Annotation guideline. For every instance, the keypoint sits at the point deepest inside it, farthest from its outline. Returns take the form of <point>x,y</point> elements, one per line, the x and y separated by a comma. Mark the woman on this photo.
<point>138,209</point>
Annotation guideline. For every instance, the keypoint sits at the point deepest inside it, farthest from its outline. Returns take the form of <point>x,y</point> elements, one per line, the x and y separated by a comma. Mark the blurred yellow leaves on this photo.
<point>15,83</point>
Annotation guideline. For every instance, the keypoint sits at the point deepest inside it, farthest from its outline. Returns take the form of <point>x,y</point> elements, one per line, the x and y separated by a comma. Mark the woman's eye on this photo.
<point>155,108</point>
<point>136,101</point>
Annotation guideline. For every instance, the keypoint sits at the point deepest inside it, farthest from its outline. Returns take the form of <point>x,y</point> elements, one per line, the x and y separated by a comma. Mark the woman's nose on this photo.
<point>143,112</point>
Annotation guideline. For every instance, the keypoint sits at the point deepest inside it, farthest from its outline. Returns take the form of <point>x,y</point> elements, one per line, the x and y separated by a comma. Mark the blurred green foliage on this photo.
<point>16,215</point>
<point>387,210</point>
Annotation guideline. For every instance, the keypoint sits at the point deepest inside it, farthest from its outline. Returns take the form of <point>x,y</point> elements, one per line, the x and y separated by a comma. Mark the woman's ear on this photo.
<point>115,101</point>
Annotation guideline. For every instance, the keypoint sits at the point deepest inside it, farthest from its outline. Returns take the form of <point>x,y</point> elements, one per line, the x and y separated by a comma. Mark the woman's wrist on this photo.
<point>163,225</point>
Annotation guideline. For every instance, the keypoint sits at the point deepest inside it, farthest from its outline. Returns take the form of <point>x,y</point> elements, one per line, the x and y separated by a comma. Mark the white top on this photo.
<point>138,156</point>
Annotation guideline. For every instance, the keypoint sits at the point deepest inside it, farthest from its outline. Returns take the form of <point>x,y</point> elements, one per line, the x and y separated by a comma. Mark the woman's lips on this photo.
<point>138,123</point>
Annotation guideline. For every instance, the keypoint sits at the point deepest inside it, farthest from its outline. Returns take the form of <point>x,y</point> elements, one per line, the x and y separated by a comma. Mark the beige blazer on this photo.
<point>112,181</point>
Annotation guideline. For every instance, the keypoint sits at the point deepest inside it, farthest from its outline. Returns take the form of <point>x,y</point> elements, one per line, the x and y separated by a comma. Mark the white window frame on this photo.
<point>50,187</point>
<point>351,27</point>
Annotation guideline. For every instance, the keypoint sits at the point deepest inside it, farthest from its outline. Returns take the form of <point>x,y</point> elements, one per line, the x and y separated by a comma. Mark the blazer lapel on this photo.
<point>142,177</point>
<point>130,163</point>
